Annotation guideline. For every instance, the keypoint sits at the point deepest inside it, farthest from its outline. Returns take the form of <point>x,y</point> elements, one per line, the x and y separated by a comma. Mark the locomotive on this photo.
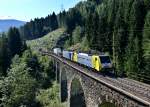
<point>100,62</point>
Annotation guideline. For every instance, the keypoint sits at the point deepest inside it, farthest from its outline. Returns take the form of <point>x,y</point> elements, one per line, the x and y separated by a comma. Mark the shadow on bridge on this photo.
<point>64,93</point>
<point>77,95</point>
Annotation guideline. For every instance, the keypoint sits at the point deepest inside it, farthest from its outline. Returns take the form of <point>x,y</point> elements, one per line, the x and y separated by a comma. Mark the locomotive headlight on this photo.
<point>110,65</point>
<point>107,65</point>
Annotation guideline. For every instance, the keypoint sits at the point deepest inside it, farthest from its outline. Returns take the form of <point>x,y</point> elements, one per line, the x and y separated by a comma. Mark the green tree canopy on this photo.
<point>14,41</point>
<point>4,55</point>
<point>18,88</point>
<point>146,43</point>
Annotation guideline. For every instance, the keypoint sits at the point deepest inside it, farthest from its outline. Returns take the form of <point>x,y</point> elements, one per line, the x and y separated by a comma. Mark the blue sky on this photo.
<point>30,9</point>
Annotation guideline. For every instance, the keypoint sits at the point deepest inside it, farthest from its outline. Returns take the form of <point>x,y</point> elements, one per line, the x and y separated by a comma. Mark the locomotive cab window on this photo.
<point>105,59</point>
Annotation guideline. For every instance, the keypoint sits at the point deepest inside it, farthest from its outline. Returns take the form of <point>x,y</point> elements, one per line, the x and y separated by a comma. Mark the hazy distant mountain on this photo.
<point>5,24</point>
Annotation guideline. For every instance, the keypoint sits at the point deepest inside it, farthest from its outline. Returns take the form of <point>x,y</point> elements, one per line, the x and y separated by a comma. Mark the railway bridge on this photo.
<point>80,87</point>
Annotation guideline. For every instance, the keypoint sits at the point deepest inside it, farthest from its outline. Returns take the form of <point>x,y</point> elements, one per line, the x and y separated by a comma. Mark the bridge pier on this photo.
<point>57,71</point>
<point>76,95</point>
<point>63,85</point>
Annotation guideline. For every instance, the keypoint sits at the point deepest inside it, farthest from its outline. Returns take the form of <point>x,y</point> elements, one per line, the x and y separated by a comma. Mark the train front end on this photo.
<point>106,64</point>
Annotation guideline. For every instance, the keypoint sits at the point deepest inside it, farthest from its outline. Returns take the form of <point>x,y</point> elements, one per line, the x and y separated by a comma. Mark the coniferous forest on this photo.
<point>118,27</point>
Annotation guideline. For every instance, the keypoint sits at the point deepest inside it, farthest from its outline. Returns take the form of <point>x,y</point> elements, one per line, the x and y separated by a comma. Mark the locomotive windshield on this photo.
<point>105,59</point>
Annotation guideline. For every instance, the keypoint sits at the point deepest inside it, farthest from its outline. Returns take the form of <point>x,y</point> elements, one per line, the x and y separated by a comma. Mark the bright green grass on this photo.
<point>48,41</point>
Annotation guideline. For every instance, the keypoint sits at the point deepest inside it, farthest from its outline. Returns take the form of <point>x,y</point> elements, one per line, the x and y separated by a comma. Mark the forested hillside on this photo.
<point>26,77</point>
<point>48,41</point>
<point>39,27</point>
<point>118,27</point>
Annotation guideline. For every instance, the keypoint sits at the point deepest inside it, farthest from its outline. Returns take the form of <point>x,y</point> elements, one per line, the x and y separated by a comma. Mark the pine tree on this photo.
<point>146,44</point>
<point>4,55</point>
<point>91,30</point>
<point>95,26</point>
<point>134,50</point>
<point>54,22</point>
<point>18,88</point>
<point>147,4</point>
<point>14,41</point>
<point>120,39</point>
<point>77,35</point>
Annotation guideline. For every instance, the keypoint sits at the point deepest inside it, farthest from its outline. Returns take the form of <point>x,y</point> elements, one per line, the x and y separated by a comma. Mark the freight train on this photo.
<point>101,62</point>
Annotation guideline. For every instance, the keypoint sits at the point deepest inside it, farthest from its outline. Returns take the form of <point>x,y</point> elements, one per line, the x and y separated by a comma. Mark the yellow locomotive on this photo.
<point>97,62</point>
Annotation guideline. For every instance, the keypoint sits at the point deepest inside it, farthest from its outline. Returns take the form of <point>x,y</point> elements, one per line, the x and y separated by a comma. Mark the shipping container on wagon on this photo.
<point>84,59</point>
<point>57,51</point>
<point>67,54</point>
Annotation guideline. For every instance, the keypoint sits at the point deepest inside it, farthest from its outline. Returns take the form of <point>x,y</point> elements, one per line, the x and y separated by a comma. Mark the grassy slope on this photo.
<point>52,39</point>
<point>48,41</point>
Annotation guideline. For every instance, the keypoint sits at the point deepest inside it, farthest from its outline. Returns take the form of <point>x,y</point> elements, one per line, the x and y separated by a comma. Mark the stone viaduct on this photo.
<point>81,88</point>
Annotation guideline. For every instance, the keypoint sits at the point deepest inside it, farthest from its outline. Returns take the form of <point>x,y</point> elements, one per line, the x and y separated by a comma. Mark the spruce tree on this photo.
<point>14,41</point>
<point>77,35</point>
<point>4,55</point>
<point>134,51</point>
<point>54,22</point>
<point>18,88</point>
<point>146,45</point>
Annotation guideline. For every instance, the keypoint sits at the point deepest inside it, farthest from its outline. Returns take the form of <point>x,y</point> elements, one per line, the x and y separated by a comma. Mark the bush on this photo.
<point>18,88</point>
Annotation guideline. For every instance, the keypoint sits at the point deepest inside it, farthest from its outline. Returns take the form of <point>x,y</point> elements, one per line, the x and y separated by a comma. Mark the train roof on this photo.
<point>85,54</point>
